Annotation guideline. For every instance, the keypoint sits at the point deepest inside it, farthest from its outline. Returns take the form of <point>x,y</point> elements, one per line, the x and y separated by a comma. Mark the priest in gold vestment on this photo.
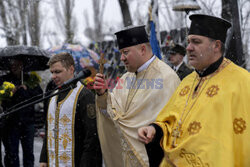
<point>206,121</point>
<point>135,101</point>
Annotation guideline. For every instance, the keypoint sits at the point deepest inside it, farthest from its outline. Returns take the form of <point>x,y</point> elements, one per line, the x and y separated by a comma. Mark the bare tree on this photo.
<point>226,11</point>
<point>98,8</point>
<point>34,22</point>
<point>96,33</point>
<point>125,13</point>
<point>10,21</point>
<point>171,19</point>
<point>208,6</point>
<point>23,19</point>
<point>20,21</point>
<point>165,9</point>
<point>65,20</point>
<point>88,32</point>
<point>230,11</point>
<point>245,26</point>
<point>139,16</point>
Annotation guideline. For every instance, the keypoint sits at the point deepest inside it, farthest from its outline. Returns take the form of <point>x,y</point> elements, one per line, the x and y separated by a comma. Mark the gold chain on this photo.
<point>177,131</point>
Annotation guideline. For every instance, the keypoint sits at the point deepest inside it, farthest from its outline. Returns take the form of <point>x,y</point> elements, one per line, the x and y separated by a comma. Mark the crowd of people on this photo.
<point>189,114</point>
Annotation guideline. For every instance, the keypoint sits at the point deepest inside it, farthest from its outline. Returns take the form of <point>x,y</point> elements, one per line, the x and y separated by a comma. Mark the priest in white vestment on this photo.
<point>135,101</point>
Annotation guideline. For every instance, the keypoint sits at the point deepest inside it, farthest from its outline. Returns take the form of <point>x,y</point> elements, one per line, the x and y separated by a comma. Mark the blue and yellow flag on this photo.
<point>153,41</point>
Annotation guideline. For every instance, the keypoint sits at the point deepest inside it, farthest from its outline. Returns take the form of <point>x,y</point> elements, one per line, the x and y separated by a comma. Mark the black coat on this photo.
<point>87,147</point>
<point>183,71</point>
<point>26,115</point>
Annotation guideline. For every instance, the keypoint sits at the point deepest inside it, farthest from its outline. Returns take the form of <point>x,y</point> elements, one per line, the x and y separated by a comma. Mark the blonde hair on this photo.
<point>65,58</point>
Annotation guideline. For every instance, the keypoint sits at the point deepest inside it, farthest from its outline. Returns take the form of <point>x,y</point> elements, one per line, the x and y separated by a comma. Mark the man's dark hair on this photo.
<point>222,45</point>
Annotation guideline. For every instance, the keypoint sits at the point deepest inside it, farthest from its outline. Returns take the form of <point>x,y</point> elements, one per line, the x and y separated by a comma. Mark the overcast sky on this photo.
<point>112,18</point>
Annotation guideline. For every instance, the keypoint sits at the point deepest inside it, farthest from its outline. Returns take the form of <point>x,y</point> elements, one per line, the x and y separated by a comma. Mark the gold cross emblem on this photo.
<point>64,157</point>
<point>194,128</point>
<point>52,155</point>
<point>176,133</point>
<point>65,139</point>
<point>65,120</point>
<point>212,90</point>
<point>184,91</point>
<point>239,125</point>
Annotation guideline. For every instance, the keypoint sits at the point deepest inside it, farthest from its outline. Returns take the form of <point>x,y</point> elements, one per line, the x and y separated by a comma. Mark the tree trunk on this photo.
<point>23,14</point>
<point>125,13</point>
<point>11,35</point>
<point>34,22</point>
<point>226,11</point>
<point>65,21</point>
<point>69,18</point>
<point>234,50</point>
<point>98,10</point>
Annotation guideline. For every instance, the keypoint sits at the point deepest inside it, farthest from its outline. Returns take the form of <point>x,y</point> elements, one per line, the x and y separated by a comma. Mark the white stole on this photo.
<point>60,132</point>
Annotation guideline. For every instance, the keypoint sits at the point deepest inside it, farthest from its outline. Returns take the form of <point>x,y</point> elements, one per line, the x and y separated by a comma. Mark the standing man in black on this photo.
<point>71,136</point>
<point>176,55</point>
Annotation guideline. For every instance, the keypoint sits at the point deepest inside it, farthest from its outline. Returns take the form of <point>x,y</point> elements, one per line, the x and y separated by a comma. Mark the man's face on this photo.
<point>175,59</point>
<point>131,57</point>
<point>200,51</point>
<point>16,66</point>
<point>60,74</point>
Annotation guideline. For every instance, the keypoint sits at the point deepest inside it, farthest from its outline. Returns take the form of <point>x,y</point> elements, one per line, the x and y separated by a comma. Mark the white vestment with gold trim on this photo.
<point>130,106</point>
<point>61,118</point>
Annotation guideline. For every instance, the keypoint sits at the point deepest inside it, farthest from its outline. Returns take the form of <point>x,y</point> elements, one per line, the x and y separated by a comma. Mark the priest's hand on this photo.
<point>146,134</point>
<point>100,84</point>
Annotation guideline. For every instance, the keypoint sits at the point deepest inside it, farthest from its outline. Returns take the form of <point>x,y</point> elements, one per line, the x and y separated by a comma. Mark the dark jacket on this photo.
<point>87,147</point>
<point>26,115</point>
<point>183,71</point>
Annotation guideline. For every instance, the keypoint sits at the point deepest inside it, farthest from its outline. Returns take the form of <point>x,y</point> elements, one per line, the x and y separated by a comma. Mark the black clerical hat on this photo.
<point>131,36</point>
<point>209,26</point>
<point>177,49</point>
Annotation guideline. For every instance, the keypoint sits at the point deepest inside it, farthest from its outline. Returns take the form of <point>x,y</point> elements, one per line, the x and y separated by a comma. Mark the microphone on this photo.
<point>81,75</point>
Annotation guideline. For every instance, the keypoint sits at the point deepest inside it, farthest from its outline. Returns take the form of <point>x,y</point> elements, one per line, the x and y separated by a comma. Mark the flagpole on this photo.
<point>155,18</point>
<point>155,44</point>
